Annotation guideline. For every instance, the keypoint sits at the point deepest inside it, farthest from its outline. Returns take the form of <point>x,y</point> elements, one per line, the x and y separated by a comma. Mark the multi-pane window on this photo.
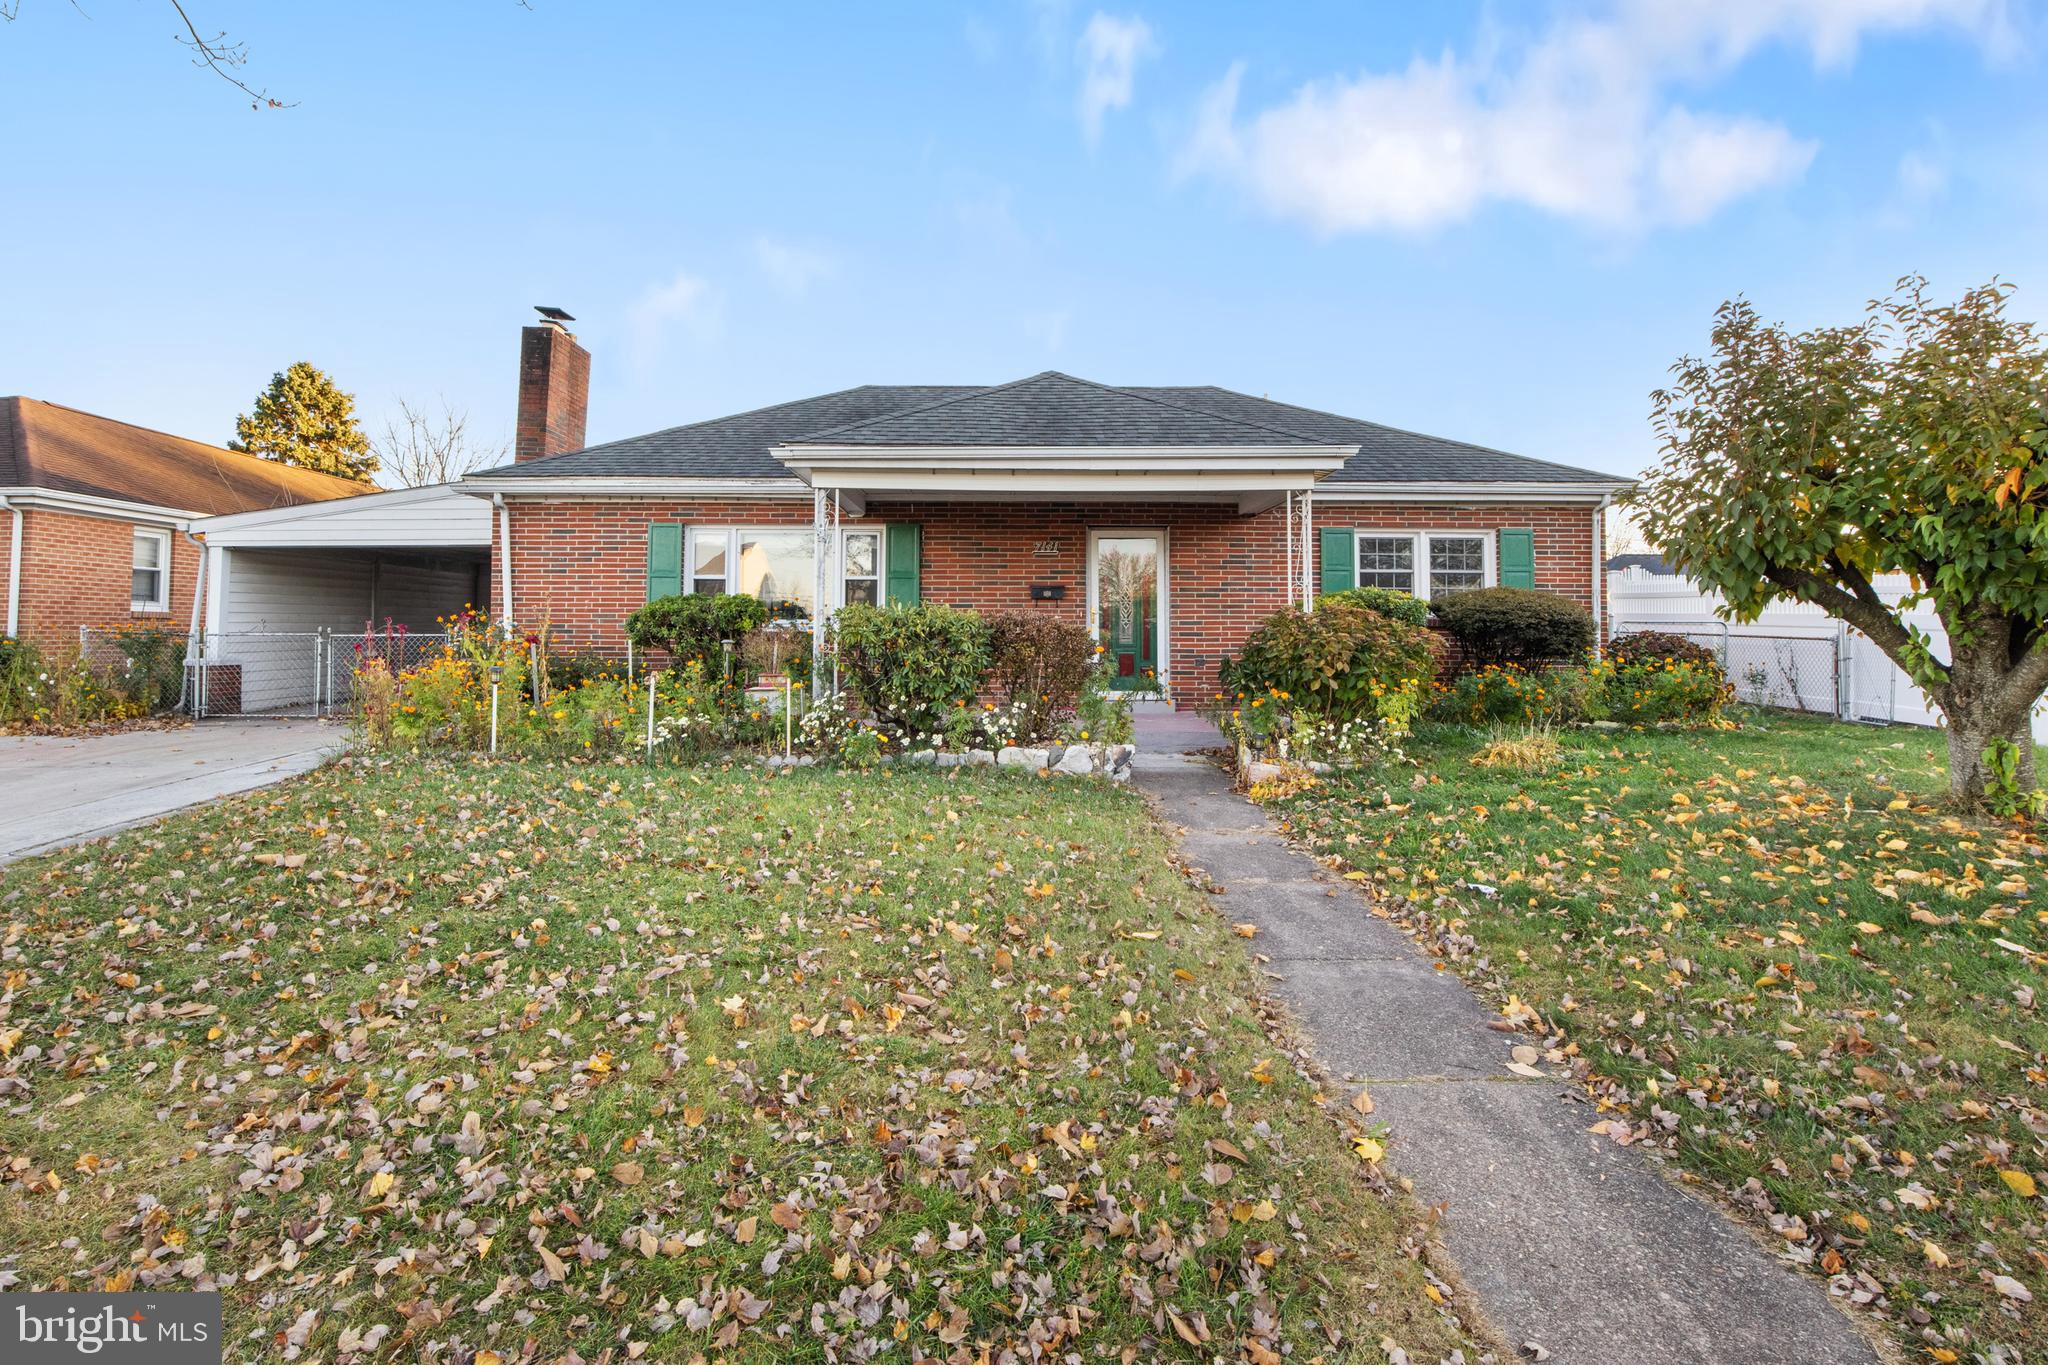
<point>1426,563</point>
<point>1456,563</point>
<point>862,555</point>
<point>1387,562</point>
<point>150,579</point>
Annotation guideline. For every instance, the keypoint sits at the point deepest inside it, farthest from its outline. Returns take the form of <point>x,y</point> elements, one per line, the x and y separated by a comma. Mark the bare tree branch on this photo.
<point>418,449</point>
<point>221,56</point>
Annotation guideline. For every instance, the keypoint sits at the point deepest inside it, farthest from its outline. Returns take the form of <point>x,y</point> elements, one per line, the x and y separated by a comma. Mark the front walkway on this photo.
<point>65,789</point>
<point>1570,1242</point>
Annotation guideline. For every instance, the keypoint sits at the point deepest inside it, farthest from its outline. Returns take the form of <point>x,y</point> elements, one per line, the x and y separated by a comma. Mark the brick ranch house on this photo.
<point>95,515</point>
<point>1169,520</point>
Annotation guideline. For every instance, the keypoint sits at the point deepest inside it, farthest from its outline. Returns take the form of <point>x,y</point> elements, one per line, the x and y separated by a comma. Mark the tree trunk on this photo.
<point>1969,778</point>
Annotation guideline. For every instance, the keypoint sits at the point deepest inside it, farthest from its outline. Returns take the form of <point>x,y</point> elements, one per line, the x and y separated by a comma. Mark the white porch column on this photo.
<point>1308,552</point>
<point>820,545</point>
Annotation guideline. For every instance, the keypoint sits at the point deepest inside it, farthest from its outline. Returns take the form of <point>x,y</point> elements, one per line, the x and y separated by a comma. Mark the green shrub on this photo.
<point>696,626</point>
<point>1516,625</point>
<point>1039,664</point>
<point>1650,692</point>
<point>1657,646</point>
<point>1340,662</point>
<point>911,666</point>
<point>1501,693</point>
<point>1402,606</point>
<point>57,690</point>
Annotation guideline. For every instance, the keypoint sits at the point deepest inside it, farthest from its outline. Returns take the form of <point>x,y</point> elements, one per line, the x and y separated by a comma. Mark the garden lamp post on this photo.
<point>497,673</point>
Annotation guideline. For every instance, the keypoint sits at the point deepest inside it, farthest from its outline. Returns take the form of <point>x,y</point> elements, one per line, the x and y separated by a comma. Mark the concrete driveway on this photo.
<point>60,790</point>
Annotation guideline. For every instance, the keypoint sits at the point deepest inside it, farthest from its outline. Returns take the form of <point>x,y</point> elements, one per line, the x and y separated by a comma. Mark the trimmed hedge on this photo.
<point>696,625</point>
<point>1516,625</point>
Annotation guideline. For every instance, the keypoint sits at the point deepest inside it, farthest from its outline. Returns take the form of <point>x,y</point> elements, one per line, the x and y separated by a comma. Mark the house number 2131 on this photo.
<point>1046,549</point>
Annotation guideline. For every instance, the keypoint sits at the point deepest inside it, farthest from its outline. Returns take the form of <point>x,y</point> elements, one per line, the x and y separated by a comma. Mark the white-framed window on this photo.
<point>775,565</point>
<point>860,567</point>
<point>1425,563</point>
<point>150,577</point>
<point>705,564</point>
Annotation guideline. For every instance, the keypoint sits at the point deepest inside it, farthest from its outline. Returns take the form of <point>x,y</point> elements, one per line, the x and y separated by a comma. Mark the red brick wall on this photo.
<point>75,571</point>
<point>581,565</point>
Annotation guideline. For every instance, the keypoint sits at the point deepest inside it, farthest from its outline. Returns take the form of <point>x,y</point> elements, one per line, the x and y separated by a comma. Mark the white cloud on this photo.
<point>792,268</point>
<point>686,300</point>
<point>1110,49</point>
<point>1578,120</point>
<point>1921,179</point>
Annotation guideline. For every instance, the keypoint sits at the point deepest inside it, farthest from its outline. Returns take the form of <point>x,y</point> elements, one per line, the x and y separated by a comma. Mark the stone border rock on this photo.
<point>1112,761</point>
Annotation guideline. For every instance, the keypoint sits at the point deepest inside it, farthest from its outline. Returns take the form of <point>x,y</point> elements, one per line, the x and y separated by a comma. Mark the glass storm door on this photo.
<point>1127,605</point>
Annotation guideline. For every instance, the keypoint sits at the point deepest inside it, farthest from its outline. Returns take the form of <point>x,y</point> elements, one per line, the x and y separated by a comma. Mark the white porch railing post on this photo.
<point>1308,552</point>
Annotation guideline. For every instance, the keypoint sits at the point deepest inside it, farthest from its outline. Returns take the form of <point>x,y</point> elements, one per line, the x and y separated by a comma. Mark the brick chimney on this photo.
<point>554,388</point>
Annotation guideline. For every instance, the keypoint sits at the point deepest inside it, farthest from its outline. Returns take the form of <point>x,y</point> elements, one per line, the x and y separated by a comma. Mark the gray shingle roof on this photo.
<point>733,447</point>
<point>1054,409</point>
<point>1385,454</point>
<point>1049,409</point>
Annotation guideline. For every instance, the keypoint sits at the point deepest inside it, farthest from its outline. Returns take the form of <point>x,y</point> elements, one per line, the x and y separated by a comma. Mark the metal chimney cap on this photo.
<point>552,314</point>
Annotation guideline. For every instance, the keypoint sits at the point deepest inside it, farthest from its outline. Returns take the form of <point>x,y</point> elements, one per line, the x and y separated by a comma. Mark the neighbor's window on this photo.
<point>863,559</point>
<point>1387,562</point>
<point>150,588</point>
<point>1456,563</point>
<point>775,566</point>
<point>708,551</point>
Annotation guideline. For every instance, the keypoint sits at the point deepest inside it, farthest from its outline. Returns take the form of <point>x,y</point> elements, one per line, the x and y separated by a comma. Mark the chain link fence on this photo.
<point>145,663</point>
<point>1789,668</point>
<point>287,673</point>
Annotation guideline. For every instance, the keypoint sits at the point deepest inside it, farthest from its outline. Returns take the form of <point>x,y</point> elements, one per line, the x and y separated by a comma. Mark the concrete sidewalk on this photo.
<point>61,790</point>
<point>1569,1241</point>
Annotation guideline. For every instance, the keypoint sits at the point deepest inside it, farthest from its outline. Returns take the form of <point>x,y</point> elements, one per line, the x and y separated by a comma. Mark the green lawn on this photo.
<point>517,1058</point>
<point>1769,953</point>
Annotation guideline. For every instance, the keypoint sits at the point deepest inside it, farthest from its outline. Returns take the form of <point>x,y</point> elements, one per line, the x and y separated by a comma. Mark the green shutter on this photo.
<point>664,560</point>
<point>1518,559</point>
<point>1340,559</point>
<point>903,551</point>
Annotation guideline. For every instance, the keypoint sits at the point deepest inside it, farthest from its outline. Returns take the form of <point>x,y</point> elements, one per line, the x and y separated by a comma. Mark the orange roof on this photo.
<point>49,446</point>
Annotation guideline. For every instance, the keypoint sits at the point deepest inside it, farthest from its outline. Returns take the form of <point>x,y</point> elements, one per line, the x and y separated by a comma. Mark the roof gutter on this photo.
<point>637,486</point>
<point>1586,491</point>
<point>13,568</point>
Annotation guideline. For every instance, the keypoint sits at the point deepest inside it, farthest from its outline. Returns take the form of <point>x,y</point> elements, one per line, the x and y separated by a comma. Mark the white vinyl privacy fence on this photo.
<point>1794,656</point>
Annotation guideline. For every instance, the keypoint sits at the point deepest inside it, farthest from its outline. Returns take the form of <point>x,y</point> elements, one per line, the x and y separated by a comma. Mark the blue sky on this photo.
<point>1496,222</point>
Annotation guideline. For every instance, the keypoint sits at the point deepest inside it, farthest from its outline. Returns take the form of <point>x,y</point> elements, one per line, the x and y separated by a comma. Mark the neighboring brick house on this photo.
<point>93,515</point>
<point>1169,520</point>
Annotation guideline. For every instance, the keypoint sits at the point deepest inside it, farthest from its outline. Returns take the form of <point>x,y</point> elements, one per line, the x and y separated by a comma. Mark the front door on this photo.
<point>1127,601</point>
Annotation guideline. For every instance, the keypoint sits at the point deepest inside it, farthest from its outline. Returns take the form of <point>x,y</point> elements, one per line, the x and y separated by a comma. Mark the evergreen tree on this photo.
<point>305,419</point>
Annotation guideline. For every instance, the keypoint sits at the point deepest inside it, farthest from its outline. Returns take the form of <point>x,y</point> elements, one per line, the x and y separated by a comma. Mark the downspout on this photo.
<point>505,554</point>
<point>13,572</point>
<point>192,627</point>
<point>1599,570</point>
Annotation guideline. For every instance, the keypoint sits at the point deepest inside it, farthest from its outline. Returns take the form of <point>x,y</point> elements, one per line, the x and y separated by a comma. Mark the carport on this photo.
<point>293,598</point>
